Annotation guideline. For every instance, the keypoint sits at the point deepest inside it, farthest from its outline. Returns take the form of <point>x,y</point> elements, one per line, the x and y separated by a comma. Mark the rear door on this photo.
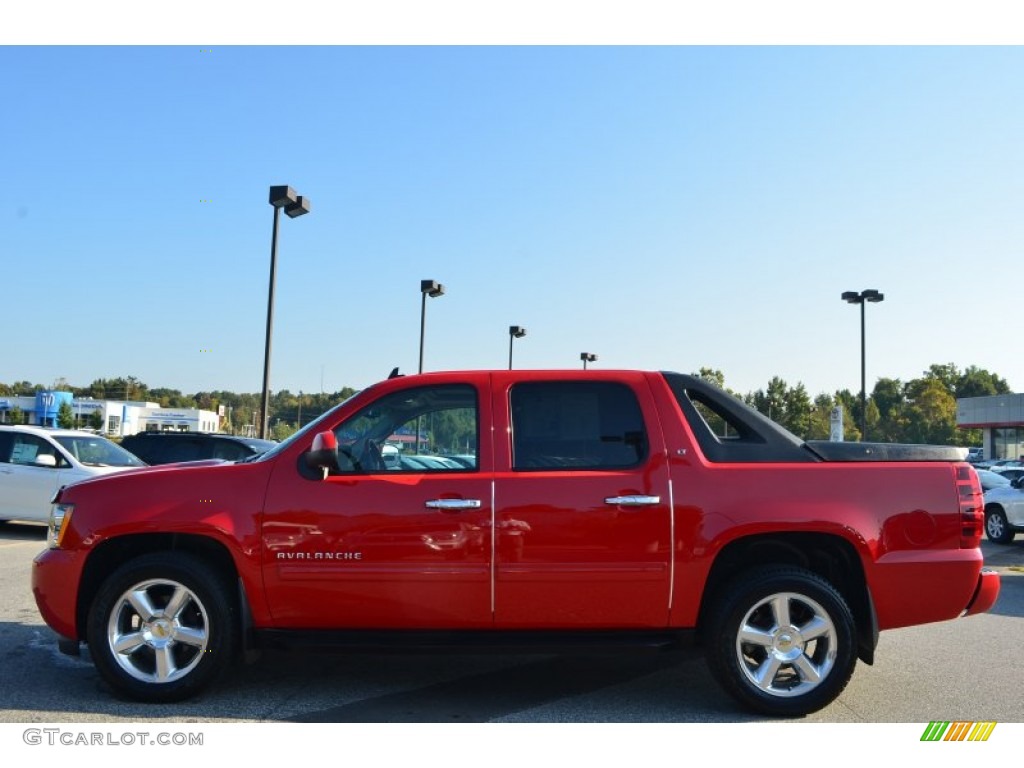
<point>583,518</point>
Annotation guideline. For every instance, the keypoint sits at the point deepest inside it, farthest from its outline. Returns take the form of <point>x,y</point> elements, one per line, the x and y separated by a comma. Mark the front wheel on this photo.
<point>781,640</point>
<point>997,527</point>
<point>162,627</point>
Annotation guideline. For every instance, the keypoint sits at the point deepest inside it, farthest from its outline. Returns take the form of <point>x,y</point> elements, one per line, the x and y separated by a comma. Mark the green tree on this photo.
<point>452,430</point>
<point>712,376</point>
<point>798,406</point>
<point>170,398</point>
<point>931,415</point>
<point>65,416</point>
<point>820,421</point>
<point>96,419</point>
<point>281,430</point>
<point>15,416</point>
<point>120,388</point>
<point>977,382</point>
<point>947,374</point>
<point>873,418</point>
<point>889,397</point>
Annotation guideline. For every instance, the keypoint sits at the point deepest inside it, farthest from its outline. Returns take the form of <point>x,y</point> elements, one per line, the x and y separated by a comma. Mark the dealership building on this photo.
<point>1001,420</point>
<point>119,417</point>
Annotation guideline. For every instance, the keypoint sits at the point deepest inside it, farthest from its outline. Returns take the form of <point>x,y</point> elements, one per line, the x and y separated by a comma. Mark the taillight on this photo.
<point>972,506</point>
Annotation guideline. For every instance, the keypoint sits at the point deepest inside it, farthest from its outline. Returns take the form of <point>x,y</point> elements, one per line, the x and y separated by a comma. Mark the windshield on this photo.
<point>310,429</point>
<point>93,451</point>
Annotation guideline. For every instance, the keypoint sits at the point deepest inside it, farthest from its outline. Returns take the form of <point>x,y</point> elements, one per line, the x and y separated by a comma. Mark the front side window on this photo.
<point>98,452</point>
<point>576,425</point>
<point>414,430</point>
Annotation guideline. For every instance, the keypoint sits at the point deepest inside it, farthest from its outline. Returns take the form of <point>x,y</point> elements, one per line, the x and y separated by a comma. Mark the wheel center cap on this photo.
<point>161,629</point>
<point>787,643</point>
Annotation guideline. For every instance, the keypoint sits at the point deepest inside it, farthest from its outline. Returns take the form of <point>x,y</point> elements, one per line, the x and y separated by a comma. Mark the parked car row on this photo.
<point>36,461</point>
<point>999,464</point>
<point>173,447</point>
<point>1004,511</point>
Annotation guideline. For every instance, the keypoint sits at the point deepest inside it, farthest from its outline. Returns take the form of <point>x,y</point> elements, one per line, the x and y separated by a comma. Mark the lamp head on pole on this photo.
<point>870,295</point>
<point>516,331</point>
<point>282,196</point>
<point>431,288</point>
<point>299,208</point>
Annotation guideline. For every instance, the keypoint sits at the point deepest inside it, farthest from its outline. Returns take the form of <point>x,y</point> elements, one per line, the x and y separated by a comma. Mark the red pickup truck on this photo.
<point>535,509</point>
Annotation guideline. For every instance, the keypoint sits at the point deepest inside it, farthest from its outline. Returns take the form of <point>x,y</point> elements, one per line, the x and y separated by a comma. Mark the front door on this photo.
<point>399,536</point>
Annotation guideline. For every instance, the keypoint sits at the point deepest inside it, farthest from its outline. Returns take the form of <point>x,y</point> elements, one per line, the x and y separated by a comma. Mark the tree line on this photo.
<point>921,410</point>
<point>288,411</point>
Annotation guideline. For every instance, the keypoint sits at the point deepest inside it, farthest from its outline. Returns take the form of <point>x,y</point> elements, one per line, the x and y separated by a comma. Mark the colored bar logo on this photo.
<point>958,731</point>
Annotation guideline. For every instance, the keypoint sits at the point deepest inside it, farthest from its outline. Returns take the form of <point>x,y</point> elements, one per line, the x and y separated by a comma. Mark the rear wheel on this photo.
<point>781,640</point>
<point>997,527</point>
<point>162,627</point>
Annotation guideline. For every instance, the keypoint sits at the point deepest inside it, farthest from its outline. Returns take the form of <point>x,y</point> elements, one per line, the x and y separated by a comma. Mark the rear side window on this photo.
<point>576,425</point>
<point>229,450</point>
<point>163,449</point>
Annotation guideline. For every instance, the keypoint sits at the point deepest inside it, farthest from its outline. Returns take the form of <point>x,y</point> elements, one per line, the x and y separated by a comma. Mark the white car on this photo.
<point>1004,512</point>
<point>35,462</point>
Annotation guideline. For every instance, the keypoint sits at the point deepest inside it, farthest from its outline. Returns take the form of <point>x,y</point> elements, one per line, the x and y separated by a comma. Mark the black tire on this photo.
<point>997,527</point>
<point>795,627</point>
<point>176,650</point>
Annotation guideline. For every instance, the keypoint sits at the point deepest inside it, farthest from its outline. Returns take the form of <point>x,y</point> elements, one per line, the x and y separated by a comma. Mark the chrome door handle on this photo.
<point>633,501</point>
<point>450,505</point>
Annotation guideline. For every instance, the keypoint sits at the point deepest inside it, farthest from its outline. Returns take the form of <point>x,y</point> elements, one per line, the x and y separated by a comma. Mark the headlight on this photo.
<point>60,516</point>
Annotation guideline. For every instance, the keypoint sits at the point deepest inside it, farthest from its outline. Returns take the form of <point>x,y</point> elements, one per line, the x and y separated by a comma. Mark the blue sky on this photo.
<point>662,207</point>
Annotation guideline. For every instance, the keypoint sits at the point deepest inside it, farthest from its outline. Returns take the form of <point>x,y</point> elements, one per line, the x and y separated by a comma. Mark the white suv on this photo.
<point>35,462</point>
<point>1004,512</point>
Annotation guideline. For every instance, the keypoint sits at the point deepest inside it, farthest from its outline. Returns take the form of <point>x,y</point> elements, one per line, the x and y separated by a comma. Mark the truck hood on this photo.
<point>107,475</point>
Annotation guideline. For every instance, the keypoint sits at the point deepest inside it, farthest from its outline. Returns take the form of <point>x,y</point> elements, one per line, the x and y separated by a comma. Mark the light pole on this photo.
<point>433,289</point>
<point>863,298</point>
<point>587,357</point>
<point>294,205</point>
<point>514,332</point>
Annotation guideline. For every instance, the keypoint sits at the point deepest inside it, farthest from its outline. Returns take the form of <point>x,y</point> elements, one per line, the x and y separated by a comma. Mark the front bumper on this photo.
<point>56,574</point>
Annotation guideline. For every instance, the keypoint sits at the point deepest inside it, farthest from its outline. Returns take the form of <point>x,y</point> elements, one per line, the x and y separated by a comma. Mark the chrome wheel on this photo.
<point>786,644</point>
<point>780,639</point>
<point>163,626</point>
<point>158,631</point>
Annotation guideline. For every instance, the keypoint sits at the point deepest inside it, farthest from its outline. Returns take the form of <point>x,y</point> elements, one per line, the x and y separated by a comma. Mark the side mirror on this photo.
<point>324,453</point>
<point>1018,482</point>
<point>45,460</point>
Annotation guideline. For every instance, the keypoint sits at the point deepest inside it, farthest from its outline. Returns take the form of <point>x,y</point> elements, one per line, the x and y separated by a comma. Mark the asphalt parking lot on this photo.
<point>959,670</point>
